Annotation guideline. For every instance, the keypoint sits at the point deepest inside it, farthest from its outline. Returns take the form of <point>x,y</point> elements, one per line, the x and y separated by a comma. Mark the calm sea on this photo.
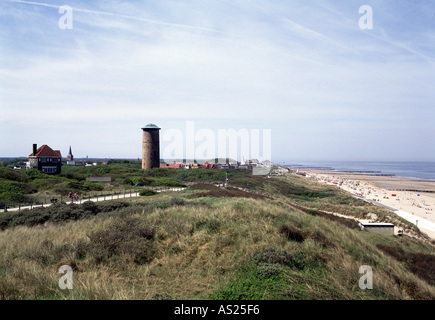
<point>407,169</point>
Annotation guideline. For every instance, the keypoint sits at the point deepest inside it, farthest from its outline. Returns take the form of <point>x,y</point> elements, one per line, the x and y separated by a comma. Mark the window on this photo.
<point>49,169</point>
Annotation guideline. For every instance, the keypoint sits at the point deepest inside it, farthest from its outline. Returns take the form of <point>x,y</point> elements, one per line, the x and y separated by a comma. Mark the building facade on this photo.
<point>45,159</point>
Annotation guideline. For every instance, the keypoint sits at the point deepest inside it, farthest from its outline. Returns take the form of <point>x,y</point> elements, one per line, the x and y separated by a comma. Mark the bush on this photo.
<point>177,202</point>
<point>58,212</point>
<point>34,174</point>
<point>128,237</point>
<point>94,186</point>
<point>90,206</point>
<point>10,187</point>
<point>272,255</point>
<point>147,192</point>
<point>109,206</point>
<point>14,175</point>
<point>163,181</point>
<point>291,233</point>
<point>268,270</point>
<point>141,180</point>
<point>12,197</point>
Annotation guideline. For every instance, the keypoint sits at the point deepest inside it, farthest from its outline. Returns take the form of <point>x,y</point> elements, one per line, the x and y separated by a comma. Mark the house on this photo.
<point>45,160</point>
<point>208,165</point>
<point>172,165</point>
<point>176,165</point>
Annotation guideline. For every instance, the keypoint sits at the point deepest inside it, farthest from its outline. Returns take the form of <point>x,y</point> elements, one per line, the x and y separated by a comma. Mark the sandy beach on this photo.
<point>412,199</point>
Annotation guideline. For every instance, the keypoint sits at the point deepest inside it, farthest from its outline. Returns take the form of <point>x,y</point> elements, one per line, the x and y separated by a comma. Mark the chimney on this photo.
<point>35,149</point>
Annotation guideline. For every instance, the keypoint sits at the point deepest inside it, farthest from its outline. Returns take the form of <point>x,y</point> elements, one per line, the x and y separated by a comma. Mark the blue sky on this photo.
<point>327,89</point>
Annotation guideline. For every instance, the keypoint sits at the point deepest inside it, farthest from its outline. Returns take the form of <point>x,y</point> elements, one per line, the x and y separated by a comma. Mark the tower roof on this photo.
<point>150,126</point>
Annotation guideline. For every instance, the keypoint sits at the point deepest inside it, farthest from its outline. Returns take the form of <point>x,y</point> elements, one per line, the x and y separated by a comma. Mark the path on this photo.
<point>96,199</point>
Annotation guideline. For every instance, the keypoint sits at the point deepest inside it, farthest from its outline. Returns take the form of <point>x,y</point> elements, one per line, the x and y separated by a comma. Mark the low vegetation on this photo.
<point>262,238</point>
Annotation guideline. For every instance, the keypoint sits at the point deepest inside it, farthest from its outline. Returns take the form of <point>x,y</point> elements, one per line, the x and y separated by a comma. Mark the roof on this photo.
<point>151,126</point>
<point>46,151</point>
<point>377,224</point>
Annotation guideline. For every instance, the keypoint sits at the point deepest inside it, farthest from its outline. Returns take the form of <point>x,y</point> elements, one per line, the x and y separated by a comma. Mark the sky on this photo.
<point>326,84</point>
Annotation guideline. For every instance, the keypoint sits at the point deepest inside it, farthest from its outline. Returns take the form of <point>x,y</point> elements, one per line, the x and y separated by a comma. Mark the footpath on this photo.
<point>95,199</point>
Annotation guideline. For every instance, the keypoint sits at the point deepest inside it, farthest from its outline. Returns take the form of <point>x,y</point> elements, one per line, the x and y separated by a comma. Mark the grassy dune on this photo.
<point>206,243</point>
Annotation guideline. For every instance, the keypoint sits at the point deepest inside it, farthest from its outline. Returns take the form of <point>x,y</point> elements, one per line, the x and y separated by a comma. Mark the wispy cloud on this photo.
<point>302,68</point>
<point>118,15</point>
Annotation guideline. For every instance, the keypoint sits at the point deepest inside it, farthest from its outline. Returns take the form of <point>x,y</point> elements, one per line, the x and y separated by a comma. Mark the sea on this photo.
<point>407,169</point>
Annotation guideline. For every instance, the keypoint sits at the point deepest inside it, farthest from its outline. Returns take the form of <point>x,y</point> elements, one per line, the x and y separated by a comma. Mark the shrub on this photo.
<point>58,212</point>
<point>291,233</point>
<point>147,193</point>
<point>10,187</point>
<point>94,186</point>
<point>73,175</point>
<point>14,175</point>
<point>272,255</point>
<point>128,182</point>
<point>109,206</point>
<point>177,202</point>
<point>168,182</point>
<point>141,181</point>
<point>34,173</point>
<point>268,270</point>
<point>12,197</point>
<point>90,206</point>
<point>128,237</point>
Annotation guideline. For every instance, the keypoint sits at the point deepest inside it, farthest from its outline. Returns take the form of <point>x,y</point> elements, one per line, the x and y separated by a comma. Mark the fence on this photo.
<point>94,196</point>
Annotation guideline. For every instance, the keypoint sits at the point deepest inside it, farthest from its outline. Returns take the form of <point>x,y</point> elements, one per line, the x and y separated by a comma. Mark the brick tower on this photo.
<point>150,147</point>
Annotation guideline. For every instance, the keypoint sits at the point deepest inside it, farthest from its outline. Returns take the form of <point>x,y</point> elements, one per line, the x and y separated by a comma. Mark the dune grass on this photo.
<point>195,245</point>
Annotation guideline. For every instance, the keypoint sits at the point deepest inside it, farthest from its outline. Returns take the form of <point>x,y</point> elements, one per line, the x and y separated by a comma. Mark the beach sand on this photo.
<point>412,199</point>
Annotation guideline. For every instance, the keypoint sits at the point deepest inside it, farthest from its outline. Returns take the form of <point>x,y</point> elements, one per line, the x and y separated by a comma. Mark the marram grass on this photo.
<point>204,248</point>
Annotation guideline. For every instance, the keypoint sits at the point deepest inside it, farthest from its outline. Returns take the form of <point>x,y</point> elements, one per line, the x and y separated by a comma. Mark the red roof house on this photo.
<point>45,159</point>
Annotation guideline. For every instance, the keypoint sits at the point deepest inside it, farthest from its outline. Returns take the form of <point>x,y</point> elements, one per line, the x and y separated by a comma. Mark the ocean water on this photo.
<point>408,169</point>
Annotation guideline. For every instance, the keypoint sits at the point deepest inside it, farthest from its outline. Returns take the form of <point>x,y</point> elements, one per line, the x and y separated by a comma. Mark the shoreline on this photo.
<point>410,198</point>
